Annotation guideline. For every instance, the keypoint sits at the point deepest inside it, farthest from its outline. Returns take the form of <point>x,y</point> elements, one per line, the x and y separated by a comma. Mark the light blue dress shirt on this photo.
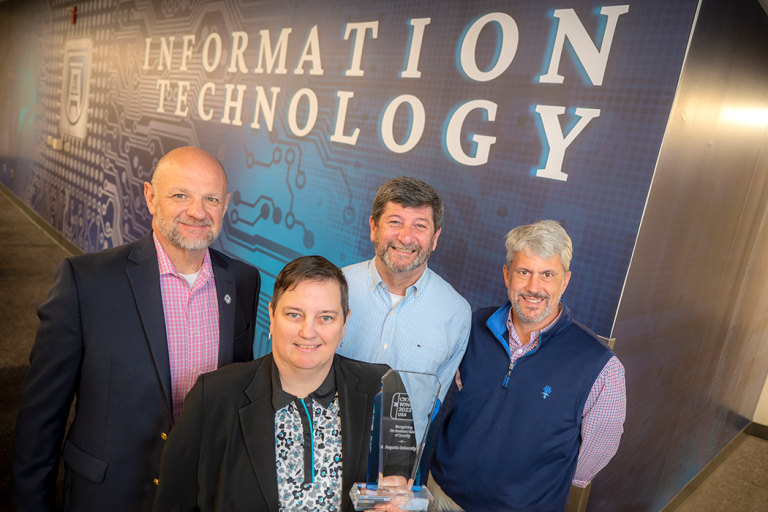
<point>427,332</point>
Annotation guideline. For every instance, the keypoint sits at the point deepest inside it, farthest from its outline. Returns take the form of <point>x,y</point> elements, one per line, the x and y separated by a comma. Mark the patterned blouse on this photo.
<point>308,480</point>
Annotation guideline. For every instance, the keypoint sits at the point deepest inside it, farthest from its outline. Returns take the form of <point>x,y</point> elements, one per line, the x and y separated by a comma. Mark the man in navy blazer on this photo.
<point>104,339</point>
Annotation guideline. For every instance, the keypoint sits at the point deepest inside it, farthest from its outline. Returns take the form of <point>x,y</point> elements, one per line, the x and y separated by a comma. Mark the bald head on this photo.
<point>187,199</point>
<point>183,157</point>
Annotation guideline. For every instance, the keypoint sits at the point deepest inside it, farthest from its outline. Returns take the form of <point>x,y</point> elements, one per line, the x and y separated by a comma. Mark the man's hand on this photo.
<point>389,482</point>
<point>394,481</point>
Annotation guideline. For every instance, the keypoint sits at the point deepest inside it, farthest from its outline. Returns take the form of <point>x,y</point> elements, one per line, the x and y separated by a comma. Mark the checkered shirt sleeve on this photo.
<point>602,422</point>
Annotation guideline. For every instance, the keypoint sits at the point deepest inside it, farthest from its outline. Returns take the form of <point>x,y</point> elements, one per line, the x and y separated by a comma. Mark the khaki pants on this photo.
<point>442,502</point>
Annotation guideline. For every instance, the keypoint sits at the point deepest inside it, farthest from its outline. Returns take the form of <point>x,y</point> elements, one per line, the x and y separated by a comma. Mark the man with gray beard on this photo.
<point>539,401</point>
<point>127,331</point>
<point>405,315</point>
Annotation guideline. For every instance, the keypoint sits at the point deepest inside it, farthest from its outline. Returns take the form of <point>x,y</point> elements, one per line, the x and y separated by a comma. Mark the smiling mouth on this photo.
<point>533,300</point>
<point>404,249</point>
<point>307,347</point>
<point>198,226</point>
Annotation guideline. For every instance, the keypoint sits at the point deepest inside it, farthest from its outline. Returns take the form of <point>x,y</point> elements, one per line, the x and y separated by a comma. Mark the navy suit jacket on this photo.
<point>102,340</point>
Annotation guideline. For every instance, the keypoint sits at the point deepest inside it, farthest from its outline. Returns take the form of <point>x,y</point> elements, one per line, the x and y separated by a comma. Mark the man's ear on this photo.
<point>226,202</point>
<point>373,228</point>
<point>149,196</point>
<point>434,240</point>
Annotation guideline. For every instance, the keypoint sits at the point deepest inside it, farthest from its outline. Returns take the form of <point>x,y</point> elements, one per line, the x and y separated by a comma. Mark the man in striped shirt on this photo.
<point>539,402</point>
<point>127,331</point>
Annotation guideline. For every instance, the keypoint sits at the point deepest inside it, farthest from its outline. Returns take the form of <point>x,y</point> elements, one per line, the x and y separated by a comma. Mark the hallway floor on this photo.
<point>28,260</point>
<point>740,484</point>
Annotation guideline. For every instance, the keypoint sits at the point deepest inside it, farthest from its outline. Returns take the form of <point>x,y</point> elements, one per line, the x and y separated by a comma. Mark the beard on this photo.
<point>550,305</point>
<point>170,230</point>
<point>421,255</point>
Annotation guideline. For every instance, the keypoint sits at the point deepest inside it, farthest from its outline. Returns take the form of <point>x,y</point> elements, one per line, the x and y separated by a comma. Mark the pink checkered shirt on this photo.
<point>603,417</point>
<point>191,325</point>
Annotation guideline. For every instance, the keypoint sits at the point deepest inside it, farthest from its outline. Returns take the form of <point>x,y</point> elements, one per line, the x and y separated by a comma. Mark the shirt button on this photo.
<point>164,436</point>
<point>391,313</point>
<point>519,351</point>
<point>386,345</point>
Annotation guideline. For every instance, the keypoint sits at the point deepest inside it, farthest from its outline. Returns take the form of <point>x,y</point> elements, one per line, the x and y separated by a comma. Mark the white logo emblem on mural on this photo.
<point>74,88</point>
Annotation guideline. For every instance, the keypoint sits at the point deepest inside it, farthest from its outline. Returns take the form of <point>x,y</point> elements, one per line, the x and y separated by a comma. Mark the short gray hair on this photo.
<point>545,239</point>
<point>408,192</point>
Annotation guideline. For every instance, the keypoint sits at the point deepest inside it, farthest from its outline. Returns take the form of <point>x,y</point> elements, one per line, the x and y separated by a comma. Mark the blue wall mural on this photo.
<point>514,111</point>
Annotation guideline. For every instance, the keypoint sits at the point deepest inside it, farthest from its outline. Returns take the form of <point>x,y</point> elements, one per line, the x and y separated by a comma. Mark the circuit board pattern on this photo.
<point>295,195</point>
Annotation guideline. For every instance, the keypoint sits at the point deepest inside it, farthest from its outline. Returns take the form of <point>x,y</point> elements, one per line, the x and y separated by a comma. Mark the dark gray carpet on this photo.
<point>28,259</point>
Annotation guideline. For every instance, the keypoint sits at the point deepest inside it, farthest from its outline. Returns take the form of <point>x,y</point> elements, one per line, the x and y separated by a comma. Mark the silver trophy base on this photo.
<point>364,498</point>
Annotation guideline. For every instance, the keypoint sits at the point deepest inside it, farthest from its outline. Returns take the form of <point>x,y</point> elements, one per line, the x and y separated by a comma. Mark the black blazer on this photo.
<point>221,455</point>
<point>102,339</point>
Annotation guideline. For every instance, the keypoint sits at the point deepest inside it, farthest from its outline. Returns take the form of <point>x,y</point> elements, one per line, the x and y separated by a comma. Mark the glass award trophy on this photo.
<point>402,414</point>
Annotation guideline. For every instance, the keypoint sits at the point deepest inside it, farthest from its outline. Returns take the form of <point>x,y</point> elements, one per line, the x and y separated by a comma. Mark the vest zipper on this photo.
<point>509,374</point>
<point>512,365</point>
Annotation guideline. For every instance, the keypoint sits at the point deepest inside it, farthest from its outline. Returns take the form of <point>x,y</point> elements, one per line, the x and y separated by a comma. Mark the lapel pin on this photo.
<point>227,298</point>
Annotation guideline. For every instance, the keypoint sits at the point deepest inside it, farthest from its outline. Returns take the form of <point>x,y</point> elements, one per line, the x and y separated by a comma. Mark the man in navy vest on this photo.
<point>539,401</point>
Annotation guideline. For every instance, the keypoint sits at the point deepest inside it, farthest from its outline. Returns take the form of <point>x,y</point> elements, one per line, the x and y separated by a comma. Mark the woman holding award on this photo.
<point>288,432</point>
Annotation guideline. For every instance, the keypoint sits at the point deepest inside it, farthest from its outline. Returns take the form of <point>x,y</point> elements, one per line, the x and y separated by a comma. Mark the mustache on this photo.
<point>533,295</point>
<point>410,247</point>
<point>193,222</point>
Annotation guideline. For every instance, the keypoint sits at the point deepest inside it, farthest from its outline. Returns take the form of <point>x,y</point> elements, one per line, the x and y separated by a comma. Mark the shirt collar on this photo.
<point>419,285</point>
<point>167,266</point>
<point>535,335</point>
<point>323,395</point>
